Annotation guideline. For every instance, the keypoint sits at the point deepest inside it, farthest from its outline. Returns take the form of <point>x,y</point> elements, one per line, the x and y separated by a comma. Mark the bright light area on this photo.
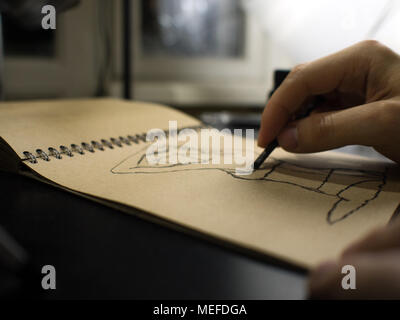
<point>309,29</point>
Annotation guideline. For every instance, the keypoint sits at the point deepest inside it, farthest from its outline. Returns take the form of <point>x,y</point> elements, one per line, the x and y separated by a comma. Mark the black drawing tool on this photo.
<point>279,77</point>
<point>275,144</point>
<point>266,153</point>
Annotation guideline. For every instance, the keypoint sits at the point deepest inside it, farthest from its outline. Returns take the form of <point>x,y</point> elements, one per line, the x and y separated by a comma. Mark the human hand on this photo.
<point>376,259</point>
<point>360,88</point>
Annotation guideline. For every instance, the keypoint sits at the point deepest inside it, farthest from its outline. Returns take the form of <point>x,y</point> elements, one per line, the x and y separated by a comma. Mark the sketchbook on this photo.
<point>300,209</point>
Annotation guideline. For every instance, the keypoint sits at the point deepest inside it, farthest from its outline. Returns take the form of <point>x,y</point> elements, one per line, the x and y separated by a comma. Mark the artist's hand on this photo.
<point>360,87</point>
<point>376,259</point>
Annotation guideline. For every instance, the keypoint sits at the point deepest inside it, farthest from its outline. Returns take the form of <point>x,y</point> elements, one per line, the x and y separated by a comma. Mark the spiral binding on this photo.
<point>91,147</point>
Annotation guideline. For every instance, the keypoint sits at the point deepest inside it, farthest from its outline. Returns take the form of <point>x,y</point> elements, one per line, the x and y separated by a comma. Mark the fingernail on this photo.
<point>288,139</point>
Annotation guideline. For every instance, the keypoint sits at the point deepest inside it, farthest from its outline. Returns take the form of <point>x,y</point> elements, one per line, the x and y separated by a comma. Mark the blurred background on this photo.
<point>213,58</point>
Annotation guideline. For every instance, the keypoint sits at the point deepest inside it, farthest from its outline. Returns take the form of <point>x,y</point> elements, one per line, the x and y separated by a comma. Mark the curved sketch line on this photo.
<point>373,176</point>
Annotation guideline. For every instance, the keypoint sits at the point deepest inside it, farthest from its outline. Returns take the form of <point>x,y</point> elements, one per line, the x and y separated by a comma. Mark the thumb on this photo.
<point>324,131</point>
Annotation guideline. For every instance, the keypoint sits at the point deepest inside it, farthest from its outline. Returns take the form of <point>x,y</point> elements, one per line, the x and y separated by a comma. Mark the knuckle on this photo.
<point>375,47</point>
<point>370,43</point>
<point>296,75</point>
<point>297,71</point>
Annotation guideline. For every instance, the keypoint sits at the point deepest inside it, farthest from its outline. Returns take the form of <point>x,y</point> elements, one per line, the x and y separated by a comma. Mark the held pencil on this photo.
<point>275,144</point>
<point>266,153</point>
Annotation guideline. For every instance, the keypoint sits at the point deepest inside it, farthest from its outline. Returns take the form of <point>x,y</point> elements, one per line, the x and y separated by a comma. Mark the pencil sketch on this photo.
<point>339,186</point>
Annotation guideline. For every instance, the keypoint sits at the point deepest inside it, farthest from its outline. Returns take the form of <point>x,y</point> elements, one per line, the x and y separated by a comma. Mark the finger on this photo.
<point>386,238</point>
<point>324,131</point>
<point>377,276</point>
<point>335,72</point>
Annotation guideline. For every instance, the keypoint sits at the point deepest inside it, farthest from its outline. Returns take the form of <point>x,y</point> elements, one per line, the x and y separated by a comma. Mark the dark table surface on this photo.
<point>101,253</point>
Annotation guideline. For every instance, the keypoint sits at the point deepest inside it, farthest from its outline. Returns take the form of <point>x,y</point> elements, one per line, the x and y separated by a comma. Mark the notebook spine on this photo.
<point>83,147</point>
